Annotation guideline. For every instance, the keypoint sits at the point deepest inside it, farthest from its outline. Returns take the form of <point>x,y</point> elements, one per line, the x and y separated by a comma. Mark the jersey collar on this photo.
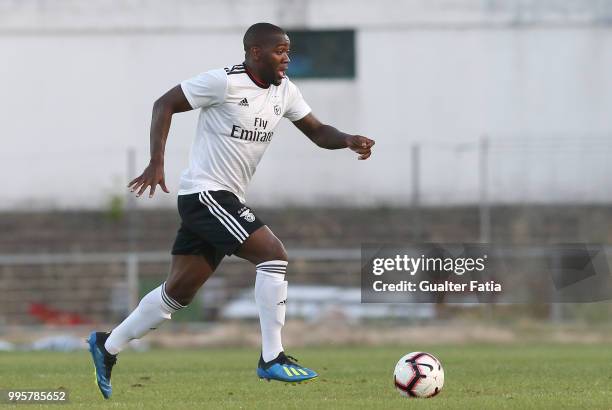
<point>255,80</point>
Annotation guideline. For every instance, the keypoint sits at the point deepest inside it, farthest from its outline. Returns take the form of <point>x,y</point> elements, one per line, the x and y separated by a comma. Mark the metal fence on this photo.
<point>64,287</point>
<point>68,289</point>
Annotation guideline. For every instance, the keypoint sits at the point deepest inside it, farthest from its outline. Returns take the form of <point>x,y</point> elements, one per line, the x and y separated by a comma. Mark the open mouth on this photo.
<point>281,72</point>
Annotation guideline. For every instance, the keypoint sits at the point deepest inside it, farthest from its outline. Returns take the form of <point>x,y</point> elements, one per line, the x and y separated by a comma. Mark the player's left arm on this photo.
<point>328,137</point>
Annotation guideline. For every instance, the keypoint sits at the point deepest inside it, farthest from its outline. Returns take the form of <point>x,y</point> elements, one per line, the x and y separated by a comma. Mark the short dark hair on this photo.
<point>259,33</point>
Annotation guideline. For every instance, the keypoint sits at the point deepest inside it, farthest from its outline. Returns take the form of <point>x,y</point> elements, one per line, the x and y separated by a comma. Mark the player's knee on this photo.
<point>270,250</point>
<point>281,255</point>
<point>278,253</point>
<point>271,255</point>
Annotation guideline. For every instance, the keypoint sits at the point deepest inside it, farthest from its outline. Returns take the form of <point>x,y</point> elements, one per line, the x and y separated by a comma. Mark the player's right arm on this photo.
<point>204,90</point>
<point>170,103</point>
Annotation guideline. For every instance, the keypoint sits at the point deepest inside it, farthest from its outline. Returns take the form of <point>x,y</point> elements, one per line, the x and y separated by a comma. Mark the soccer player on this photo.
<point>240,106</point>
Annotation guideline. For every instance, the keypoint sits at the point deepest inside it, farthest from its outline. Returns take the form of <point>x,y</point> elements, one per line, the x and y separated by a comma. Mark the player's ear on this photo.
<point>256,53</point>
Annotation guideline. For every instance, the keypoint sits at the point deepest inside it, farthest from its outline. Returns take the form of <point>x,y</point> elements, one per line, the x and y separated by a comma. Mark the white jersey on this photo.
<point>236,124</point>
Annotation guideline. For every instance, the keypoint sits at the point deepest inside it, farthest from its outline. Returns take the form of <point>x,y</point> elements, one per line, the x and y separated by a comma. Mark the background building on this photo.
<point>431,80</point>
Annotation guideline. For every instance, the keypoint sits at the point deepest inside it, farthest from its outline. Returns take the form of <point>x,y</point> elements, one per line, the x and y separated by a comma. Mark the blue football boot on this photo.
<point>103,362</point>
<point>285,369</point>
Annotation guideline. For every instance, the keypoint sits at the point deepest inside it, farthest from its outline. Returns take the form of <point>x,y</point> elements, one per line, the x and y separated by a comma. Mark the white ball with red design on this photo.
<point>418,374</point>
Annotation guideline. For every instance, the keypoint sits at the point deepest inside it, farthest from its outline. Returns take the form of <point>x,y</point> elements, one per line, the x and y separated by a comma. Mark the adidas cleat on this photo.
<point>103,362</point>
<point>285,369</point>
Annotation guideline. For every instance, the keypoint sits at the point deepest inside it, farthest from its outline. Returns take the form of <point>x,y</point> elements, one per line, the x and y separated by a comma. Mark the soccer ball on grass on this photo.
<point>418,374</point>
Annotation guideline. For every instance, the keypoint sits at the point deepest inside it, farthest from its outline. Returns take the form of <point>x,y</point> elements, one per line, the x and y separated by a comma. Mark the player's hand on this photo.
<point>152,176</point>
<point>361,145</point>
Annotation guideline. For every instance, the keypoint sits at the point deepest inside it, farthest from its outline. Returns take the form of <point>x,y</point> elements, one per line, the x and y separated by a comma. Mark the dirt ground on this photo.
<point>299,334</point>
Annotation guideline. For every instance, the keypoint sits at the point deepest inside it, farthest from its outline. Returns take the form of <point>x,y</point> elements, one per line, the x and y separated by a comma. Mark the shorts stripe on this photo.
<point>223,211</point>
<point>228,225</point>
<point>215,212</point>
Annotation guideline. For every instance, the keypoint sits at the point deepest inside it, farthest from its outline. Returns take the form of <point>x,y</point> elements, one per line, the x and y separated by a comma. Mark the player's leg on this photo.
<point>262,246</point>
<point>187,274</point>
<point>234,229</point>
<point>267,253</point>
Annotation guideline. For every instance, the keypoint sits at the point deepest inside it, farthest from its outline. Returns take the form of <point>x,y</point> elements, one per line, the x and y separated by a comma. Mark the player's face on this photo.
<point>276,59</point>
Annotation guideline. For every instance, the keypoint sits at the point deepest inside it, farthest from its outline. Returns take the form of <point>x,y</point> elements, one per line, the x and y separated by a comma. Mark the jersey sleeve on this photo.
<point>205,89</point>
<point>297,108</point>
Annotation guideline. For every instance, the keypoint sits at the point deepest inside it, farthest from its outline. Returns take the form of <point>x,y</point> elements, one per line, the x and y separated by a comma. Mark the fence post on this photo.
<point>416,194</point>
<point>132,279</point>
<point>131,201</point>
<point>132,258</point>
<point>484,208</point>
<point>556,309</point>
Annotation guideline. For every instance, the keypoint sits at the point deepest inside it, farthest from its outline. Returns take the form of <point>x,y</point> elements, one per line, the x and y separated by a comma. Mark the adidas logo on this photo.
<point>244,102</point>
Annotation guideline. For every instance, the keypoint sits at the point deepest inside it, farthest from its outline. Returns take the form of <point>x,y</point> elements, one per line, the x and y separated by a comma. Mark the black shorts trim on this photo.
<point>213,222</point>
<point>227,220</point>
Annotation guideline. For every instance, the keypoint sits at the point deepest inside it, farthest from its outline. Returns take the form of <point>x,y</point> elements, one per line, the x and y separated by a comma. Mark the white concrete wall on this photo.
<point>78,80</point>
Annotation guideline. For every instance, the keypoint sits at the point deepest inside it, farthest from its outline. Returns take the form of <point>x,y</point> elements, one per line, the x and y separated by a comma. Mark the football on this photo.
<point>418,374</point>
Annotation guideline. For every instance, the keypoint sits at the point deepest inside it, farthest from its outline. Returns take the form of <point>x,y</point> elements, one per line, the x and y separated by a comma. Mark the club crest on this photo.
<point>247,214</point>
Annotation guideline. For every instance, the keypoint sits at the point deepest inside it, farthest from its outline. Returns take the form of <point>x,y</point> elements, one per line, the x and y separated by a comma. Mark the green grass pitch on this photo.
<point>477,377</point>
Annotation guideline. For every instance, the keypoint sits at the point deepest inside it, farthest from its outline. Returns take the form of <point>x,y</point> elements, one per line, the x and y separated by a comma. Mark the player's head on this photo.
<point>266,47</point>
